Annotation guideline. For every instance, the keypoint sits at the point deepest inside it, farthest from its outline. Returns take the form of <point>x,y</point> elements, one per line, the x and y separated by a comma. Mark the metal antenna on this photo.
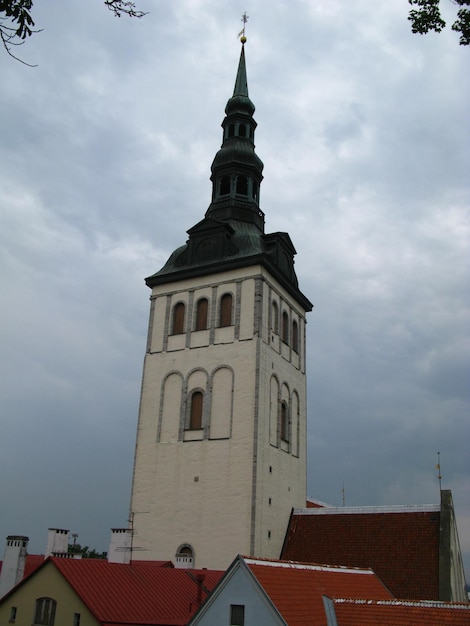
<point>343,491</point>
<point>438,467</point>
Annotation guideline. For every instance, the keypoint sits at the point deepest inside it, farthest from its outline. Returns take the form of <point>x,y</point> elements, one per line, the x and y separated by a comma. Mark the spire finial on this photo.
<point>241,34</point>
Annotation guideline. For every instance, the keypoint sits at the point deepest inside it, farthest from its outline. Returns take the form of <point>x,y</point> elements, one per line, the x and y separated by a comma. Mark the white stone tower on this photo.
<point>221,441</point>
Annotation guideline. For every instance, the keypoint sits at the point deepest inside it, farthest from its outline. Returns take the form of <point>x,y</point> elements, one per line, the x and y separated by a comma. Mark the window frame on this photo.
<point>178,318</point>
<point>275,318</point>
<point>202,314</point>
<point>44,611</point>
<point>237,615</point>
<point>226,310</point>
<point>284,422</point>
<point>295,336</point>
<point>285,327</point>
<point>196,410</point>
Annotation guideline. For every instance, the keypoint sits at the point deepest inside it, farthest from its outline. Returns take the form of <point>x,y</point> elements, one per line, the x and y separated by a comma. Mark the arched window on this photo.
<point>225,186</point>
<point>242,185</point>
<point>254,192</point>
<point>284,421</point>
<point>44,613</point>
<point>295,336</point>
<point>285,327</point>
<point>195,414</point>
<point>275,318</point>
<point>242,130</point>
<point>201,314</point>
<point>225,315</point>
<point>184,557</point>
<point>178,318</point>
<point>231,130</point>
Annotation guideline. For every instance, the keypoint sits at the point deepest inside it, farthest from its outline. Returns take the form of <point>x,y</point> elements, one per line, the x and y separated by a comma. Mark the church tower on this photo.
<point>220,455</point>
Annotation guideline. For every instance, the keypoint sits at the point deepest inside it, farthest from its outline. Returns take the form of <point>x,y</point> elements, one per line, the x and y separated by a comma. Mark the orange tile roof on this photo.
<point>141,593</point>
<point>401,545</point>
<point>296,589</point>
<point>400,613</point>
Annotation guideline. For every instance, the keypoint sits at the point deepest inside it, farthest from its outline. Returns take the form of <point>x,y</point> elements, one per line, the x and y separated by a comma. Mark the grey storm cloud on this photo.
<point>104,164</point>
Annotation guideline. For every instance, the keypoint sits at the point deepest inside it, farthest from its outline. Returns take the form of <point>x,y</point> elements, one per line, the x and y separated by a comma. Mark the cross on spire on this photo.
<point>241,34</point>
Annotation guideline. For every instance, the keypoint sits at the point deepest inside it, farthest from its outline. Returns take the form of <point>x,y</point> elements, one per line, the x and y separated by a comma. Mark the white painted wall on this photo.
<point>225,490</point>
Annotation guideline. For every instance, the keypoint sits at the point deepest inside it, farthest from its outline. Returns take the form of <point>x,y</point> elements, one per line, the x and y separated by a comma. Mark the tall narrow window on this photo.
<point>195,416</point>
<point>44,613</point>
<point>242,130</point>
<point>76,619</point>
<point>285,327</point>
<point>295,336</point>
<point>178,318</point>
<point>237,615</point>
<point>231,130</point>
<point>242,185</point>
<point>201,314</point>
<point>225,317</point>
<point>275,318</point>
<point>284,422</point>
<point>225,186</point>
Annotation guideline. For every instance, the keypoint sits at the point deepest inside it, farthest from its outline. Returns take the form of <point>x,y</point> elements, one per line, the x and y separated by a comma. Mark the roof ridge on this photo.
<point>308,566</point>
<point>436,604</point>
<point>391,508</point>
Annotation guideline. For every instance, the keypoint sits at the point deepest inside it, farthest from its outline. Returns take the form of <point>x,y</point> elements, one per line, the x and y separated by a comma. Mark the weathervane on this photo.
<point>241,34</point>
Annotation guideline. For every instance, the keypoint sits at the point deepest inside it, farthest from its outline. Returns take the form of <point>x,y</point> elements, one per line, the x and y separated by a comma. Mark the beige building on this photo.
<point>220,455</point>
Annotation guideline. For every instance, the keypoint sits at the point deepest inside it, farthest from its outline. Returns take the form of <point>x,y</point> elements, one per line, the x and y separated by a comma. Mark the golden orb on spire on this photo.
<point>243,39</point>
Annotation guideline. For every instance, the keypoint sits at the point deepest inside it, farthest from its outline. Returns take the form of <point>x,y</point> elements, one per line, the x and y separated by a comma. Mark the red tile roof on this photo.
<point>140,593</point>
<point>401,544</point>
<point>33,561</point>
<point>400,613</point>
<point>296,589</point>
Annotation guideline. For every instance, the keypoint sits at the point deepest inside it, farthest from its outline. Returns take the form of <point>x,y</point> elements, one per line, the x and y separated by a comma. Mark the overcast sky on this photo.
<point>105,158</point>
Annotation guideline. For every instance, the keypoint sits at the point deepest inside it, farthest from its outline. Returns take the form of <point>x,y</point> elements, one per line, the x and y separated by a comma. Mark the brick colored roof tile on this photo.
<point>140,593</point>
<point>296,589</point>
<point>400,545</point>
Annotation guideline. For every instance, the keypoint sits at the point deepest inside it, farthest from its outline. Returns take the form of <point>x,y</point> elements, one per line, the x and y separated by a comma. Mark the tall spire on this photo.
<point>237,171</point>
<point>232,232</point>
<point>241,82</point>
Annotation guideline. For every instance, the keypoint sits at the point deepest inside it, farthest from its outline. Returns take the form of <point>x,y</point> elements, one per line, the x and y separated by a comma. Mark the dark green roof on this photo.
<point>231,235</point>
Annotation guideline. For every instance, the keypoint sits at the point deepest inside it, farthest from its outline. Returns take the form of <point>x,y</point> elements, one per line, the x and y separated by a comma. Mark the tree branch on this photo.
<point>123,7</point>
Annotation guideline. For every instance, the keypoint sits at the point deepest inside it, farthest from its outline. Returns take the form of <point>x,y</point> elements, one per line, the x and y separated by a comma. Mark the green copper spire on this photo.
<point>241,82</point>
<point>237,171</point>
<point>231,234</point>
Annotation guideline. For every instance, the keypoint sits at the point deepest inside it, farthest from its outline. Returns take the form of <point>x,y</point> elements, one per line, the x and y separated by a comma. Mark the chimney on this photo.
<point>200,587</point>
<point>14,561</point>
<point>120,545</point>
<point>57,542</point>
